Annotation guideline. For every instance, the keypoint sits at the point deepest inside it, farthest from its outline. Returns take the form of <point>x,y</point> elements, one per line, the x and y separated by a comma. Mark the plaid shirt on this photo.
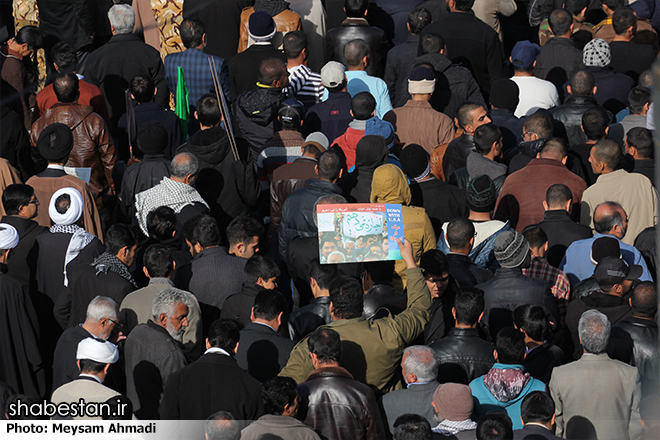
<point>559,284</point>
<point>197,73</point>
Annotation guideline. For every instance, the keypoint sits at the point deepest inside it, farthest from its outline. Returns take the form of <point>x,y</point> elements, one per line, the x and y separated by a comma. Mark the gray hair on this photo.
<point>328,199</point>
<point>222,426</point>
<point>183,165</point>
<point>166,299</point>
<point>594,331</point>
<point>102,307</point>
<point>122,18</point>
<point>421,362</point>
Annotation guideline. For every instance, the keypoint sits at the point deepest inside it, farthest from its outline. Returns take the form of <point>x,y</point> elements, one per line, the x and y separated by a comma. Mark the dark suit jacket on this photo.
<point>561,232</point>
<point>262,352</point>
<point>212,383</point>
<point>534,432</point>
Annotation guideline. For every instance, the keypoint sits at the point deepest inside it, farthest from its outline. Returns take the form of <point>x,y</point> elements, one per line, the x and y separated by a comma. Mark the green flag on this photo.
<point>182,109</point>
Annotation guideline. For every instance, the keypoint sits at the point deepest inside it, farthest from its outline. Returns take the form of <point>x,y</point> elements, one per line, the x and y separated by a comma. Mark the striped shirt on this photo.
<point>306,85</point>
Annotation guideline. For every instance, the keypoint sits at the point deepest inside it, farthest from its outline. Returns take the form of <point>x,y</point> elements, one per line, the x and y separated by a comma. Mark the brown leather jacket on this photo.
<point>92,144</point>
<point>285,22</point>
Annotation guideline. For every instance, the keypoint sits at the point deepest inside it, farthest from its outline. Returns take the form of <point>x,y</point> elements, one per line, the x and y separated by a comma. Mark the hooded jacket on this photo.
<point>370,153</point>
<point>482,252</point>
<point>229,186</point>
<point>389,185</point>
<point>256,116</point>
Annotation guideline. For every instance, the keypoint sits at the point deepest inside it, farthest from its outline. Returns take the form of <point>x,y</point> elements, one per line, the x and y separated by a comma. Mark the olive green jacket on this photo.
<point>371,350</point>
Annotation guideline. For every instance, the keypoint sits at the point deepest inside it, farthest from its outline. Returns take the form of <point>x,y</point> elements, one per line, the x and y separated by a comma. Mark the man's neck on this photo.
<point>294,62</point>
<point>622,38</point>
<point>272,324</point>
<point>479,216</point>
<point>539,424</point>
<point>178,179</point>
<point>92,329</point>
<point>521,73</point>
<point>20,216</point>
<point>356,68</point>
<point>329,364</point>
<point>459,251</point>
<point>459,325</point>
<point>320,293</point>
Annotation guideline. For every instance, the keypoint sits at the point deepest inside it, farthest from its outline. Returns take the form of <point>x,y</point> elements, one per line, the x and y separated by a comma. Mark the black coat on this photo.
<point>331,117</point>
<point>645,243</point>
<point>443,202</point>
<point>244,67</point>
<point>23,262</point>
<point>150,111</point>
<point>542,360</point>
<point>15,142</point>
<point>613,88</point>
<point>456,154</point>
<point>305,320</point>
<point>534,432</point>
<point>568,118</point>
<point>463,356</point>
<point>558,60</point>
<point>508,289</point>
<point>212,383</point>
<point>400,60</point>
<point>465,272</point>
<point>383,295</point>
<point>65,368</point>
<point>354,28</point>
<point>510,126</point>
<point>139,177</point>
<point>69,21</point>
<point>256,116</point>
<point>631,58</point>
<point>441,320</point>
<point>239,305</point>
<point>262,352</point>
<point>561,232</point>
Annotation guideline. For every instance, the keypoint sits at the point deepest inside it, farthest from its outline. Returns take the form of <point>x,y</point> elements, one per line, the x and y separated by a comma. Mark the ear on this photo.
<point>568,89</point>
<point>313,283</point>
<point>564,159</point>
<point>279,318</point>
<point>480,316</point>
<point>316,169</point>
<point>197,117</point>
<point>260,282</point>
<point>552,420</point>
<point>163,318</point>
<point>607,130</point>
<point>595,90</point>
<point>78,363</point>
<point>495,355</point>
<point>534,63</point>
<point>107,367</point>
<point>646,107</point>
<point>133,97</point>
<point>472,241</point>
<point>252,313</point>
<point>538,155</point>
<point>456,122</point>
<point>146,272</point>
<point>630,301</point>
<point>511,60</point>
<point>545,205</point>
<point>453,312</point>
<point>341,173</point>
<point>207,343</point>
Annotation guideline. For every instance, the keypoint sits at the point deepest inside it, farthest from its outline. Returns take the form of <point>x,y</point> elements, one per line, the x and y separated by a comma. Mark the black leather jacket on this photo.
<point>569,118</point>
<point>308,318</point>
<point>463,356</point>
<point>383,296</point>
<point>352,29</point>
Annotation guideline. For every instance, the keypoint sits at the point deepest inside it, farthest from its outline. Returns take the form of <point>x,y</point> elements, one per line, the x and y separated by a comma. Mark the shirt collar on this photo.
<point>91,376</point>
<point>417,383</point>
<point>261,323</point>
<point>217,350</point>
<point>54,166</point>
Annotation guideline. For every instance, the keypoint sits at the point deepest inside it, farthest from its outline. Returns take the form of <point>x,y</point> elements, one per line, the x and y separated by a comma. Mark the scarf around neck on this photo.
<point>106,262</point>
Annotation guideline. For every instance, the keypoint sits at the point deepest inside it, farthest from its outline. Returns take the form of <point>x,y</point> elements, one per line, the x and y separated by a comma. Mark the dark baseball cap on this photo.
<point>612,270</point>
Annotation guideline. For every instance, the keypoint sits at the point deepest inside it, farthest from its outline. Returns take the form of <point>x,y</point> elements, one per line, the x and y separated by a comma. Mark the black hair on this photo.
<point>66,87</point>
<point>322,273</point>
<point>535,236</point>
<point>464,5</point>
<point>225,334</point>
<point>560,21</point>
<point>325,343</point>
<point>613,4</point>
<point>142,88</point>
<point>609,153</point>
<point>557,195</point>
<point>64,55</point>
<point>622,19</point>
<point>329,165</point>
<point>90,366</point>
<point>192,30</point>
<point>380,271</point>
<point>432,43</point>
<point>582,83</point>
<point>459,232</point>
<point>355,8</point>
<point>259,267</point>
<point>537,407</point>
<point>30,35</point>
<point>469,304</point>
<point>531,318</point>
<point>510,346</point>
<point>347,297</point>
<point>62,203</point>
<point>16,195</point>
<point>119,236</point>
<point>642,139</point>
<point>270,70</point>
<point>434,262</point>
<point>277,393</point>
<point>539,123</point>
<point>495,425</point>
<point>595,122</point>
<point>637,99</point>
<point>363,105</point>
<point>294,43</point>
<point>208,110</point>
<point>485,136</point>
<point>242,230</point>
<point>355,51</point>
<point>464,113</point>
<point>158,261</point>
<point>268,304</point>
<point>418,19</point>
<point>202,229</point>
<point>644,300</point>
<point>161,223</point>
<point>576,6</point>
<point>412,427</point>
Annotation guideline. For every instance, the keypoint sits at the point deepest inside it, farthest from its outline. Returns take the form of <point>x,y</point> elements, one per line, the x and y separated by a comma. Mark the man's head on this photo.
<point>66,206</point>
<point>95,357</point>
<point>644,300</point>
<point>333,76</point>
<point>363,106</point>
<point>65,87</point>
<point>8,240</point>
<point>122,19</point>
<point>295,43</point>
<point>452,402</point>
<point>412,427</point>
<point>435,267</point>
<point>558,196</point>
<point>321,275</point>
<point>315,144</point>
<point>19,200</point>
<point>329,166</point>
<point>142,88</point>
<point>421,83</point>
<point>208,111</point>
<point>460,235</point>
<point>269,306</point>
<point>102,317</point>
<point>261,27</point>
<point>356,54</point>
<point>280,396</point>
<point>243,236</point>
<point>169,310</point>
<point>577,8</point>
<point>261,271</point>
<point>609,6</point>
<point>291,114</point>
<point>418,364</point>
<point>432,43</point>
<point>418,19</point>
<point>470,116</point>
<point>615,277</point>
<point>624,22</point>
<point>538,407</point>
<point>537,239</point>
<point>64,57</point>
<point>594,331</point>
<point>222,426</point>
<point>639,143</point>
<point>356,8</point>
<point>468,306</point>
<point>512,250</point>
<point>184,168</point>
<point>324,346</point>
<point>55,143</point>
<point>346,298</point>
<point>595,123</point>
<point>537,126</point>
<point>192,33</point>
<point>161,223</point>
<point>494,425</point>
<point>224,334</point>
<point>531,320</point>
<point>606,246</point>
<point>561,23</point>
<point>582,83</point>
<point>610,218</point>
<point>273,73</point>
<point>488,140</point>
<point>158,261</point>
<point>605,156</point>
<point>328,245</point>
<point>639,100</point>
<point>555,149</point>
<point>29,40</point>
<point>510,346</point>
<point>121,241</point>
<point>505,94</point>
<point>523,56</point>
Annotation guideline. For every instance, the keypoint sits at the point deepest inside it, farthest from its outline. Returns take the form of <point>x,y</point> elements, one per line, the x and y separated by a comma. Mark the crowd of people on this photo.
<point>161,164</point>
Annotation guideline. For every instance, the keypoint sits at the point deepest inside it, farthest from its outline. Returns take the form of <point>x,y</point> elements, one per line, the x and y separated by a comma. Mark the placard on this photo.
<point>351,233</point>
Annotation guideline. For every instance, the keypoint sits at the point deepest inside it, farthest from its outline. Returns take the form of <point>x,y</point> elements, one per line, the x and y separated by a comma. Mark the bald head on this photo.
<point>644,300</point>
<point>355,51</point>
<point>183,166</point>
<point>272,72</point>
<point>610,218</point>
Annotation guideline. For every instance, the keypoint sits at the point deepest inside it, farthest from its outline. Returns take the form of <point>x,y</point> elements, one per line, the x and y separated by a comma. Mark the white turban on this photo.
<point>8,236</point>
<point>75,208</point>
<point>104,352</point>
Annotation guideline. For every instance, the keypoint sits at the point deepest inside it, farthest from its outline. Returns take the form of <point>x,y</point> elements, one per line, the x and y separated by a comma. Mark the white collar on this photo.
<point>54,166</point>
<point>261,323</point>
<point>91,376</point>
<point>217,350</point>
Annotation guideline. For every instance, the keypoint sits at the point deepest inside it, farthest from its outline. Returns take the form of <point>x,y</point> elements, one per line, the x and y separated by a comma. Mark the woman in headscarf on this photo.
<point>370,153</point>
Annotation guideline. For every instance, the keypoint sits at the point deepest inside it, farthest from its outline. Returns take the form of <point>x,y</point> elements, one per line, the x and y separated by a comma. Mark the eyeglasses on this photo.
<point>34,202</point>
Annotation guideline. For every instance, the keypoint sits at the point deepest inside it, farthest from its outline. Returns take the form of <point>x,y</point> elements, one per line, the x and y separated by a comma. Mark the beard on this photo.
<point>177,335</point>
<point>436,418</point>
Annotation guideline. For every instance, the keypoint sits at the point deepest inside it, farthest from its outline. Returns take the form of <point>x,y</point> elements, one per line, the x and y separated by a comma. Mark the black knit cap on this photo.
<point>414,161</point>
<point>505,93</point>
<point>603,247</point>
<point>55,142</point>
<point>481,194</point>
<point>152,137</point>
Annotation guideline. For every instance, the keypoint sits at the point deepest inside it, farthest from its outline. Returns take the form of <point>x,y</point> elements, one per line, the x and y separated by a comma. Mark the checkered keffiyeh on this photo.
<point>559,284</point>
<point>450,427</point>
<point>176,195</point>
<point>596,53</point>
